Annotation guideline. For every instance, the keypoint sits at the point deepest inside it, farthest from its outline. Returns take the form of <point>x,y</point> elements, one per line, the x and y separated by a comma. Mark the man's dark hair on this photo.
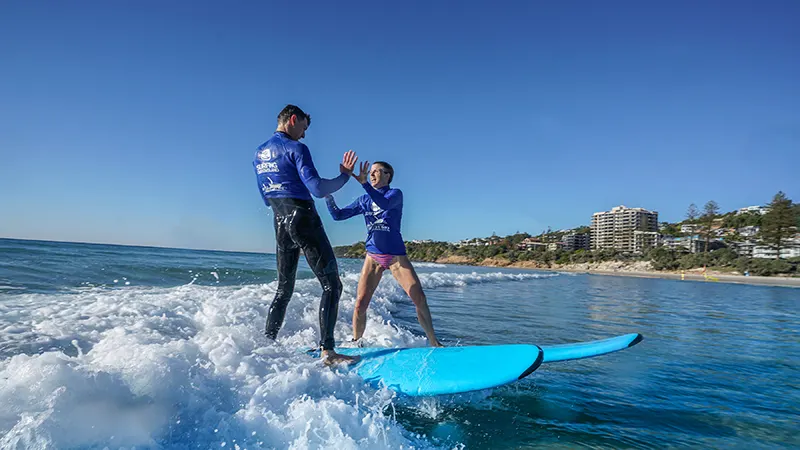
<point>388,168</point>
<point>291,110</point>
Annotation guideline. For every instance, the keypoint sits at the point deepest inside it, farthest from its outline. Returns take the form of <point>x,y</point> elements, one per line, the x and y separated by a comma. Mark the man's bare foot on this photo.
<point>436,344</point>
<point>331,358</point>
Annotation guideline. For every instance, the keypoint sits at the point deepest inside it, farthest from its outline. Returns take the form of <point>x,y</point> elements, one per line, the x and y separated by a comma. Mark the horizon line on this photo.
<point>55,241</point>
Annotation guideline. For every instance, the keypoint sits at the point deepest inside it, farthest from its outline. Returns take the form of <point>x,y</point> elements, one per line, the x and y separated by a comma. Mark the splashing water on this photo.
<point>187,366</point>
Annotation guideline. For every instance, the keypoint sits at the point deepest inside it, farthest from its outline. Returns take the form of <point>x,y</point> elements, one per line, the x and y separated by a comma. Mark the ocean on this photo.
<point>105,346</point>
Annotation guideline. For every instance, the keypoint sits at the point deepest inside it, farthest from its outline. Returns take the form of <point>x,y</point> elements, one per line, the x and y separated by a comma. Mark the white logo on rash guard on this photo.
<point>379,225</point>
<point>267,167</point>
<point>265,155</point>
<point>272,187</point>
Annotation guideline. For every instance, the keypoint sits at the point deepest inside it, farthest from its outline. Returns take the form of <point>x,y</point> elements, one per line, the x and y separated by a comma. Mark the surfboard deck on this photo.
<point>427,371</point>
<point>589,349</point>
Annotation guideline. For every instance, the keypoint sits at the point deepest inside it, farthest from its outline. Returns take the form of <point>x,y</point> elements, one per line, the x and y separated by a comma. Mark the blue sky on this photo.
<point>136,122</point>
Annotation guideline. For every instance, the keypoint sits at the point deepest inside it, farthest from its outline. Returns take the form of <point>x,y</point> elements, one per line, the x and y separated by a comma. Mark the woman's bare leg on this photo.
<point>406,276</point>
<point>371,275</point>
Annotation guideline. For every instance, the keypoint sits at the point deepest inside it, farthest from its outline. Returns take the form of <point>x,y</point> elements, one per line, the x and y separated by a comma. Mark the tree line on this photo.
<point>776,227</point>
<point>779,224</point>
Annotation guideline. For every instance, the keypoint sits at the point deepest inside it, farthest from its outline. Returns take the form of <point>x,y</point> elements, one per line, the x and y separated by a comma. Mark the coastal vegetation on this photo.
<point>719,233</point>
<point>660,258</point>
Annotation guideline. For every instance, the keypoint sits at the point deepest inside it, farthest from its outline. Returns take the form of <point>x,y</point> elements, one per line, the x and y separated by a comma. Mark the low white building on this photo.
<point>791,250</point>
<point>691,228</point>
<point>753,249</point>
<point>475,242</point>
<point>531,243</point>
<point>692,244</point>
<point>753,209</point>
<point>749,231</point>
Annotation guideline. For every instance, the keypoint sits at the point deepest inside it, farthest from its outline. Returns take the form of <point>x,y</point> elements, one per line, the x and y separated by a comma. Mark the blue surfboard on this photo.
<point>425,371</point>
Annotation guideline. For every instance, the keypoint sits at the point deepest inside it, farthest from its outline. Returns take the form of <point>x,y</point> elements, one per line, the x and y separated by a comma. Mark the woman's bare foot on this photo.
<point>331,358</point>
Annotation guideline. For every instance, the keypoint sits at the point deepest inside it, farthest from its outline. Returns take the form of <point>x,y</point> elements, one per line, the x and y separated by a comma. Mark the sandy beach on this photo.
<point>719,278</point>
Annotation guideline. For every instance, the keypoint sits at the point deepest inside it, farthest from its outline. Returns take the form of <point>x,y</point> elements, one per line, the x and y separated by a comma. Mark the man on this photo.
<point>287,178</point>
<point>382,207</point>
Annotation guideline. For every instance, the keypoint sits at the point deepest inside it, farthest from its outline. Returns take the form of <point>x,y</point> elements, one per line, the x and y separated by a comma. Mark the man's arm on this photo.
<point>393,198</point>
<point>353,209</point>
<point>319,187</point>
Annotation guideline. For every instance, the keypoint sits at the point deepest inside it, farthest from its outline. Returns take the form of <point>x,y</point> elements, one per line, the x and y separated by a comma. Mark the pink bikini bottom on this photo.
<point>384,260</point>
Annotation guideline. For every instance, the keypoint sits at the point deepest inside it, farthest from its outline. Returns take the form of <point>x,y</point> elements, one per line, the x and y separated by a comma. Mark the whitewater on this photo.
<point>188,367</point>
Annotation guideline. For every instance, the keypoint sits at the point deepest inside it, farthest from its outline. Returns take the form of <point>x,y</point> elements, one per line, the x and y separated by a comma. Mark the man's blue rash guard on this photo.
<point>284,169</point>
<point>383,211</point>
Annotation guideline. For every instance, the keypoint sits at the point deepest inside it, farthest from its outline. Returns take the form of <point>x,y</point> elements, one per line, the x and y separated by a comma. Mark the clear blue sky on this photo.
<point>136,122</point>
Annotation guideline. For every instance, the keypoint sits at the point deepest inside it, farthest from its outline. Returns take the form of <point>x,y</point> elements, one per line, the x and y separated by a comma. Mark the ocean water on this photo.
<point>129,347</point>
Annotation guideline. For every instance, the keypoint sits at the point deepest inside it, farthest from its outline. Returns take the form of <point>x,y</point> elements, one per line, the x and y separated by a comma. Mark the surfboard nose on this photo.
<point>590,349</point>
<point>535,365</point>
<point>636,340</point>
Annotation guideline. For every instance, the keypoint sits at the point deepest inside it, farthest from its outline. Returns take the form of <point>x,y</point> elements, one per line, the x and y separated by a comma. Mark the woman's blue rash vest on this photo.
<point>383,210</point>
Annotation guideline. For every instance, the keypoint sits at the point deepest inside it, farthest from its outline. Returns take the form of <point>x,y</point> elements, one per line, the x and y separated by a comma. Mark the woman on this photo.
<point>382,207</point>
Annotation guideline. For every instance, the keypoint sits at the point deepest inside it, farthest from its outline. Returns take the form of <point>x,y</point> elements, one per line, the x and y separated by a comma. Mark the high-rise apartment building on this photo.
<point>616,229</point>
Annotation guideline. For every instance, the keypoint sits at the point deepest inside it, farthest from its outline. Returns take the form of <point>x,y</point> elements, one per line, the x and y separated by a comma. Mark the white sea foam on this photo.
<point>442,279</point>
<point>188,367</point>
<point>428,264</point>
<point>11,288</point>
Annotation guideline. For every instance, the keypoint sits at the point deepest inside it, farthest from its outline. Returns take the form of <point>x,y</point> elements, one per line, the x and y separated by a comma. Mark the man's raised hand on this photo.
<point>348,162</point>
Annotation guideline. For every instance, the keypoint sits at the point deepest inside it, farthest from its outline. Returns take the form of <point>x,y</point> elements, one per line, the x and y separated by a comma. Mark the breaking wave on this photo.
<point>187,367</point>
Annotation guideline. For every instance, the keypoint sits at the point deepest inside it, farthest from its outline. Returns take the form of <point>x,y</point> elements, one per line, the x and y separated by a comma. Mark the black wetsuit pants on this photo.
<point>299,227</point>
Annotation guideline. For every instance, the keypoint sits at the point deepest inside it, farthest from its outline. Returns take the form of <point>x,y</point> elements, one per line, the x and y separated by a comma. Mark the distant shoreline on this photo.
<point>624,271</point>
<point>720,278</point>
